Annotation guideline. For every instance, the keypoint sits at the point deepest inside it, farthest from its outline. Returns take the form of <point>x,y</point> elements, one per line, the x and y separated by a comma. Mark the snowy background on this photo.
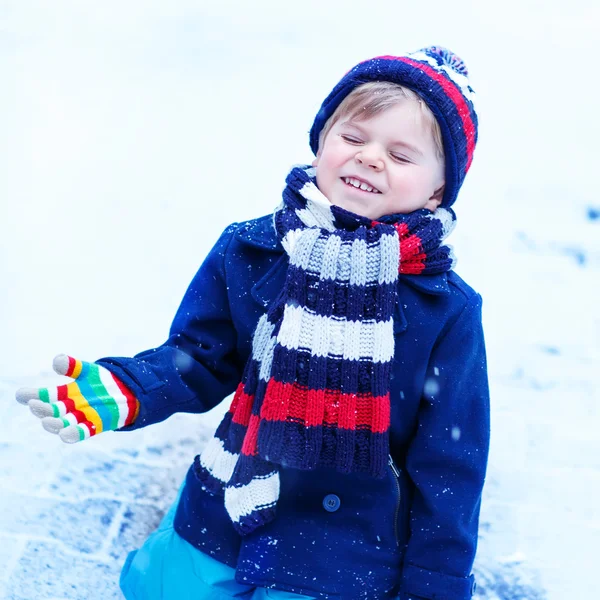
<point>132,133</point>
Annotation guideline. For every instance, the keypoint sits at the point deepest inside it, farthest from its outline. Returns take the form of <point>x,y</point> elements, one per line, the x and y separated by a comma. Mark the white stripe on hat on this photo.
<point>461,81</point>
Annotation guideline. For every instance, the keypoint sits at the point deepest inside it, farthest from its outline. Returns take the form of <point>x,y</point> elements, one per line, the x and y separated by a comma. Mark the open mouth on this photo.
<point>360,185</point>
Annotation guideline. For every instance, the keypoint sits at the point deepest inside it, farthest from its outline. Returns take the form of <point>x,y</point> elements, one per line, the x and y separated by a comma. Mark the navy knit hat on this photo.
<point>440,78</point>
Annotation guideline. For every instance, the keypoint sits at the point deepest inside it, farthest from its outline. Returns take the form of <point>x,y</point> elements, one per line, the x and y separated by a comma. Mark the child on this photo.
<point>352,459</point>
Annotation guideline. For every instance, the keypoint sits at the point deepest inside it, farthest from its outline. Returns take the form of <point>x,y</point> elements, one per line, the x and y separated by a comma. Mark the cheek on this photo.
<point>326,168</point>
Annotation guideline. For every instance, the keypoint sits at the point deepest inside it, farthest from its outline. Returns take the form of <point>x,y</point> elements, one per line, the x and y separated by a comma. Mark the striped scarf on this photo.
<point>315,391</point>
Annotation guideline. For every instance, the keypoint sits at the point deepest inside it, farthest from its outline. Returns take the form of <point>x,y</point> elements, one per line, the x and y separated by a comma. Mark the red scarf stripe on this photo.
<point>348,411</point>
<point>416,267</point>
<point>249,447</point>
<point>241,407</point>
<point>402,229</point>
<point>236,397</point>
<point>411,252</point>
<point>313,406</point>
<point>275,405</point>
<point>410,245</point>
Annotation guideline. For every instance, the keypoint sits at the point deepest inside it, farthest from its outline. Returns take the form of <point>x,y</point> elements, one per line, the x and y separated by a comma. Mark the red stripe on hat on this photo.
<point>453,92</point>
<point>325,407</point>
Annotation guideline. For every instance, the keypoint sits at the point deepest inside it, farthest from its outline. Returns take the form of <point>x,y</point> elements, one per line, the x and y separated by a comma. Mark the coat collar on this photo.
<point>435,285</point>
<point>260,233</point>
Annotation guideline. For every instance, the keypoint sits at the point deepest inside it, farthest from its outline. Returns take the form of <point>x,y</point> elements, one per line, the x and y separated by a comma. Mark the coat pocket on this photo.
<point>396,479</point>
<point>401,526</point>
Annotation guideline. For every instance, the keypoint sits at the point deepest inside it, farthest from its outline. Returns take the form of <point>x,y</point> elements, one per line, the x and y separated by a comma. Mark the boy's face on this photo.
<point>393,153</point>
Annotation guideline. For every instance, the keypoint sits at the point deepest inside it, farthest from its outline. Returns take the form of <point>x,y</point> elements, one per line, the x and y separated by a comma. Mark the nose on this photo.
<point>369,157</point>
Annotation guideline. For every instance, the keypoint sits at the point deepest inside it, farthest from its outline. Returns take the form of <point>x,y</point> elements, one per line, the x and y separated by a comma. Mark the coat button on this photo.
<point>331,502</point>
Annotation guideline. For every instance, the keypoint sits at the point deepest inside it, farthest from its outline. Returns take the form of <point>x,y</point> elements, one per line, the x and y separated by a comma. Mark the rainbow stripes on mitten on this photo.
<point>94,402</point>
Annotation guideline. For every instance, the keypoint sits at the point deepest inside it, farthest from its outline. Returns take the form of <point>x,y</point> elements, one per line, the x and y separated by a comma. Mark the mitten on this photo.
<point>96,401</point>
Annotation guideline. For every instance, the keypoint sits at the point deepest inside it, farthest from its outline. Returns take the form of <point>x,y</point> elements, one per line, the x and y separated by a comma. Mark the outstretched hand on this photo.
<point>94,402</point>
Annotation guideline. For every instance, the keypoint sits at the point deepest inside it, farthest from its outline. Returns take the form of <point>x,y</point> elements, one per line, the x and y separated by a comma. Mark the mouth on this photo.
<point>361,185</point>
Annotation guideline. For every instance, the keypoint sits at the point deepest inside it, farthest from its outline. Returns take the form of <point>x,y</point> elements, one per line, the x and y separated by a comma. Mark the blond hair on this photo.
<point>369,99</point>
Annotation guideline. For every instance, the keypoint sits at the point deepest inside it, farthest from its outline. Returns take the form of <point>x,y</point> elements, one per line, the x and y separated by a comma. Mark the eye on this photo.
<point>399,158</point>
<point>350,139</point>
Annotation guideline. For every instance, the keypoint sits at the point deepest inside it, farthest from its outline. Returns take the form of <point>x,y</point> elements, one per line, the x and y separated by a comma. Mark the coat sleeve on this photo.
<point>198,365</point>
<point>447,460</point>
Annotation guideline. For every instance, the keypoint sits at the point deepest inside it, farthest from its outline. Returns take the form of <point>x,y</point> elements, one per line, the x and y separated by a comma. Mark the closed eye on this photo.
<point>399,158</point>
<point>350,139</point>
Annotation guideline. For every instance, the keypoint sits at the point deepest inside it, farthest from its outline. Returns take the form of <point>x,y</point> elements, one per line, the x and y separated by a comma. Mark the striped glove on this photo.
<point>95,402</point>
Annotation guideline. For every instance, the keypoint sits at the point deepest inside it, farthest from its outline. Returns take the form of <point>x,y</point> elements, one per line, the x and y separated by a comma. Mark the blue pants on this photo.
<point>167,567</point>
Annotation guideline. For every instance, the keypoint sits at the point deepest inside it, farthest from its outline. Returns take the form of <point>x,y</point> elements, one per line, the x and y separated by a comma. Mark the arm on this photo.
<point>191,372</point>
<point>447,461</point>
<point>198,365</point>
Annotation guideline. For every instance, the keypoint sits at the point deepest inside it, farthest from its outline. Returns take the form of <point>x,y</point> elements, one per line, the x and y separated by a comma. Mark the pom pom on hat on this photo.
<point>440,77</point>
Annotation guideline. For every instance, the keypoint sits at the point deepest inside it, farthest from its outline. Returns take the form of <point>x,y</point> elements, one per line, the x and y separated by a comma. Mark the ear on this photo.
<point>436,199</point>
<point>315,162</point>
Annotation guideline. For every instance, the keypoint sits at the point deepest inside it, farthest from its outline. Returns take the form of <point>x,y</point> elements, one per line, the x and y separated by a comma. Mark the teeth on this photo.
<point>360,185</point>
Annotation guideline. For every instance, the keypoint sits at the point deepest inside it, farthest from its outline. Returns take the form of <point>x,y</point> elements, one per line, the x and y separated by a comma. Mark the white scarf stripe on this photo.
<point>260,493</point>
<point>267,360</point>
<point>333,259</point>
<point>358,259</point>
<point>328,336</point>
<point>390,259</point>
<point>301,254</point>
<point>330,257</point>
<point>218,461</point>
<point>445,217</point>
<point>318,209</point>
<point>262,335</point>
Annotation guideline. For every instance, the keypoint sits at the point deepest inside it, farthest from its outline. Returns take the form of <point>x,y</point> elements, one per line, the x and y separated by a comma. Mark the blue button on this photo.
<point>331,502</point>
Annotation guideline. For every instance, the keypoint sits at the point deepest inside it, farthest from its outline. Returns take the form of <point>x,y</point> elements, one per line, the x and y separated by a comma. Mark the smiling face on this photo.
<point>381,165</point>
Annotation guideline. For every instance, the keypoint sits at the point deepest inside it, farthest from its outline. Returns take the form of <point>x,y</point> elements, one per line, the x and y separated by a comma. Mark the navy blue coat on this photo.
<point>412,534</point>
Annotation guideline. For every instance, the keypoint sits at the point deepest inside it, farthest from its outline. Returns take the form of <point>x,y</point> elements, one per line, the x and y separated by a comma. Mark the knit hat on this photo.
<point>440,78</point>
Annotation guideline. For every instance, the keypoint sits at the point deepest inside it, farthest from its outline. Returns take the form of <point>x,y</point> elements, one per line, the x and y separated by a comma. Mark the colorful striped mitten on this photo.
<point>95,402</point>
